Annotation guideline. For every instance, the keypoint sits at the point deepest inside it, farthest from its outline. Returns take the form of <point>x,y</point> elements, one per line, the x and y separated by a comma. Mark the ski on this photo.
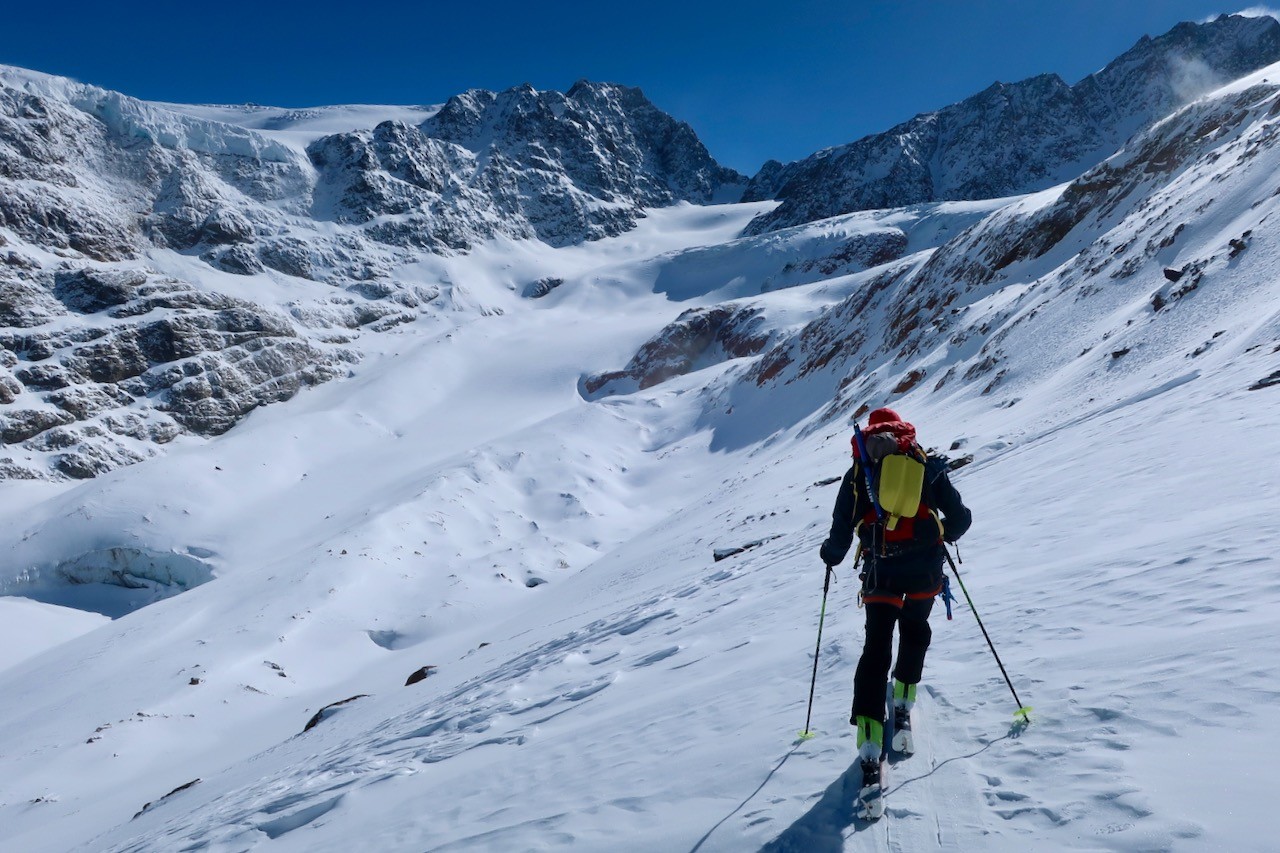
<point>871,793</point>
<point>903,742</point>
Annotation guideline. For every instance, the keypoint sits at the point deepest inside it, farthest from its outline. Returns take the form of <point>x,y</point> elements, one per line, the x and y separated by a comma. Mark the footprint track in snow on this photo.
<point>479,713</point>
<point>657,657</point>
<point>296,820</point>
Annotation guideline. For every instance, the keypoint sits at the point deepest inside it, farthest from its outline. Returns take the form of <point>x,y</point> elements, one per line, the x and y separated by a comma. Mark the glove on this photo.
<point>827,554</point>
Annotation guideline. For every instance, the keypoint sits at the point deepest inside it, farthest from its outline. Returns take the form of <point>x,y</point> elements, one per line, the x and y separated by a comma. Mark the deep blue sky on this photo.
<point>756,80</point>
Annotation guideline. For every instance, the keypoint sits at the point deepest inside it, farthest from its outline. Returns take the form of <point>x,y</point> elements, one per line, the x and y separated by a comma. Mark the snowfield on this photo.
<point>597,680</point>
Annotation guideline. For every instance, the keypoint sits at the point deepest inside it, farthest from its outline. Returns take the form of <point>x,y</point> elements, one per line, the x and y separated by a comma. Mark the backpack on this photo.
<point>899,485</point>
<point>900,518</point>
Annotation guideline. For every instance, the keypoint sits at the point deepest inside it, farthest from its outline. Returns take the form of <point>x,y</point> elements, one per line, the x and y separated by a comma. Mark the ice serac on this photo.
<point>558,167</point>
<point>964,151</point>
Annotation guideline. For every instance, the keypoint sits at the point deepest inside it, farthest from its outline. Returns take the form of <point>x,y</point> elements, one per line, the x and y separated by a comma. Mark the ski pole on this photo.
<point>1023,710</point>
<point>813,682</point>
<point>822,615</point>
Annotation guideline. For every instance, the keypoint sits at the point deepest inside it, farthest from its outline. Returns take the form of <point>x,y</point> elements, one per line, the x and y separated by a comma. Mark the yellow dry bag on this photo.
<point>901,483</point>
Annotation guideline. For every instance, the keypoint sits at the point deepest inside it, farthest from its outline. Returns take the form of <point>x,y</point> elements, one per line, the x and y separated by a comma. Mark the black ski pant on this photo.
<point>911,615</point>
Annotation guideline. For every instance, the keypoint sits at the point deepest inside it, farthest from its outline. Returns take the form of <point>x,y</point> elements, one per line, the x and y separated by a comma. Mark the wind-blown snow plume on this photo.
<point>1191,78</point>
<point>1258,12</point>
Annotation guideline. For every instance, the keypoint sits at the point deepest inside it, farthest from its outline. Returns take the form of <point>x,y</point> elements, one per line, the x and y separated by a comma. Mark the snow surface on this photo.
<point>598,680</point>
<point>29,627</point>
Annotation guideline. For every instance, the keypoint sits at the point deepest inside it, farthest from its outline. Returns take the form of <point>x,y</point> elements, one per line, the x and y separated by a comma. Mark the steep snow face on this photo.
<point>166,271</point>
<point>960,152</point>
<point>1132,268</point>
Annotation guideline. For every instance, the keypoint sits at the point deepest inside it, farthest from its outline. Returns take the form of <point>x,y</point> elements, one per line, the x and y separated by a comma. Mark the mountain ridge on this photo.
<point>960,152</point>
<point>117,340</point>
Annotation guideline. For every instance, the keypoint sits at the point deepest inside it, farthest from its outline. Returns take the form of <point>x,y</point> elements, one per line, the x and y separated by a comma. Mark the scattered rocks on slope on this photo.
<point>541,287</point>
<point>329,710</point>
<point>420,674</point>
<point>724,553</point>
<point>176,790</point>
<point>1266,382</point>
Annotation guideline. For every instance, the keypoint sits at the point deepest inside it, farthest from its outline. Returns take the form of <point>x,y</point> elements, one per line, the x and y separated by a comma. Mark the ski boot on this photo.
<point>904,696</point>
<point>870,804</point>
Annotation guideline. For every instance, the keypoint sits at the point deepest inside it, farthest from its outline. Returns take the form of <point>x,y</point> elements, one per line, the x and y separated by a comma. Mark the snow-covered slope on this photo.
<point>842,253</point>
<point>963,151</point>
<point>1134,268</point>
<point>595,678</point>
<point>164,270</point>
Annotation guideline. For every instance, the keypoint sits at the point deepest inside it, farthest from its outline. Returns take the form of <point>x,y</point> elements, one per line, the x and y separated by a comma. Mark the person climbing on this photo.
<point>901,541</point>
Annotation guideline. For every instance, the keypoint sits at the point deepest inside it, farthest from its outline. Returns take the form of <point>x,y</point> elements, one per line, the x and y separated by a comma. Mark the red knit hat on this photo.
<point>887,420</point>
<point>882,416</point>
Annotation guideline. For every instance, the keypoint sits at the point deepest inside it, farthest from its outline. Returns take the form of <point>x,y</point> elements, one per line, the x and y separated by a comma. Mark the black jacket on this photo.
<point>853,503</point>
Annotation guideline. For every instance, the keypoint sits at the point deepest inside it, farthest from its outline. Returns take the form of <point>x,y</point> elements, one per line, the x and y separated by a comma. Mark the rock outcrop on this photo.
<point>697,338</point>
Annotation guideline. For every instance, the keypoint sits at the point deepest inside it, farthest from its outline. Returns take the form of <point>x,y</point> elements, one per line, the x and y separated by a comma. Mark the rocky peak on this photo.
<point>1158,75</point>
<point>608,139</point>
<point>561,167</point>
<point>1013,138</point>
<point>462,113</point>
